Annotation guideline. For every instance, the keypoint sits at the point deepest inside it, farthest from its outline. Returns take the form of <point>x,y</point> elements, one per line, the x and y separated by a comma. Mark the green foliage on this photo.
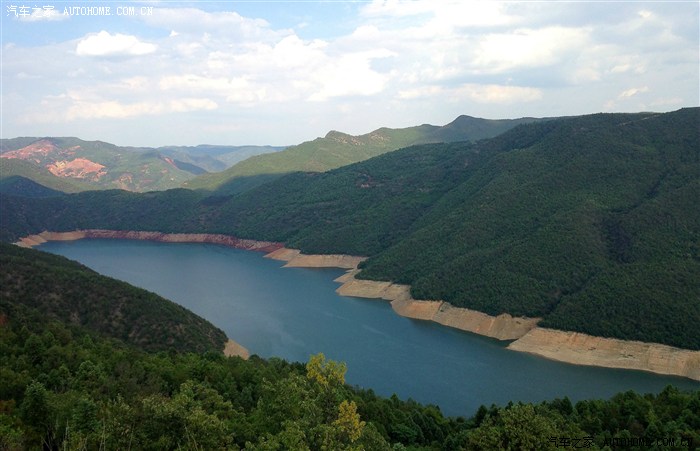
<point>590,223</point>
<point>338,149</point>
<point>34,281</point>
<point>64,386</point>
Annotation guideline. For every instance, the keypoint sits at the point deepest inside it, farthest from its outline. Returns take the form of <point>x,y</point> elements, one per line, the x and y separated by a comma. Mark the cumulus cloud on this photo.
<point>349,75</point>
<point>524,48</point>
<point>106,44</point>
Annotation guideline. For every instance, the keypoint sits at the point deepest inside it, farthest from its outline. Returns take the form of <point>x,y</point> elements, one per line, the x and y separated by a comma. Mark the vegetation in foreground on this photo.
<point>66,385</point>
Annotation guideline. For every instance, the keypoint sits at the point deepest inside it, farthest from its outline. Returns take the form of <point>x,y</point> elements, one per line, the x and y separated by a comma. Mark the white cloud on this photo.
<point>234,90</point>
<point>196,22</point>
<point>420,93</point>
<point>113,109</point>
<point>106,44</point>
<point>524,48</point>
<point>498,94</point>
<point>633,92</point>
<point>349,75</point>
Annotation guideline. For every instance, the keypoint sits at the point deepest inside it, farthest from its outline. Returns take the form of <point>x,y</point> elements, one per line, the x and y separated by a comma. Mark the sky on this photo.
<point>172,72</point>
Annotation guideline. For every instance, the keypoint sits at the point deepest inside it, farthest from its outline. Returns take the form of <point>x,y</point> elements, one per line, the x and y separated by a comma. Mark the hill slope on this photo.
<point>12,169</point>
<point>338,149</point>
<point>63,290</point>
<point>589,222</point>
<point>214,158</point>
<point>100,165</point>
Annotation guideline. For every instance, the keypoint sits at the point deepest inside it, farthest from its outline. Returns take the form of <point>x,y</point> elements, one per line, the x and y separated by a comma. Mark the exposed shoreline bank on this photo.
<point>226,240</point>
<point>563,346</point>
<point>569,347</point>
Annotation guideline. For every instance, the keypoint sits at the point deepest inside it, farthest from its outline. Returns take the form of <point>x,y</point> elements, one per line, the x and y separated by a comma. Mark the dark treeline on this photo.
<point>68,384</point>
<point>590,222</point>
<point>69,292</point>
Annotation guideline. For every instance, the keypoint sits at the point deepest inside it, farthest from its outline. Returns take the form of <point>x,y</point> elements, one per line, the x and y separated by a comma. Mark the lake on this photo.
<point>293,313</point>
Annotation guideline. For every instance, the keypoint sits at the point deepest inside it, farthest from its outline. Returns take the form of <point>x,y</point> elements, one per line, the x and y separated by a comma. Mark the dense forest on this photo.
<point>72,383</point>
<point>69,292</point>
<point>588,222</point>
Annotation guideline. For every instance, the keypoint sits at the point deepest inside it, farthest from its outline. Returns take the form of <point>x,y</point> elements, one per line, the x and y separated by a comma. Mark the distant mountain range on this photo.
<point>338,149</point>
<point>77,165</point>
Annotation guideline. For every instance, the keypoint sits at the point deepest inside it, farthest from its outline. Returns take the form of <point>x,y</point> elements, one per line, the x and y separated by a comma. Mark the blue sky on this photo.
<point>283,72</point>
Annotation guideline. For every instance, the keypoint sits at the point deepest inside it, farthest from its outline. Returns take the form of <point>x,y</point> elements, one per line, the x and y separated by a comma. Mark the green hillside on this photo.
<point>338,149</point>
<point>13,168</point>
<point>71,293</point>
<point>67,384</point>
<point>589,222</point>
<point>72,164</point>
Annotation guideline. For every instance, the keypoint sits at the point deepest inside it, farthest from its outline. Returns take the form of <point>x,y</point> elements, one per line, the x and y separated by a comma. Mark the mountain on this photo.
<point>580,221</point>
<point>101,165</point>
<point>215,158</point>
<point>338,149</point>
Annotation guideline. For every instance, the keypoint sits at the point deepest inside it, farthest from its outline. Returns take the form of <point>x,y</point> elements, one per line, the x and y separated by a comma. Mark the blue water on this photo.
<point>294,312</point>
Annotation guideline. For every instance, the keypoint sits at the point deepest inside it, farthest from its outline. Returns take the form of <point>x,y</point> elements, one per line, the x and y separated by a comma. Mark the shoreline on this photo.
<point>231,348</point>
<point>563,346</point>
<point>210,238</point>
<point>526,336</point>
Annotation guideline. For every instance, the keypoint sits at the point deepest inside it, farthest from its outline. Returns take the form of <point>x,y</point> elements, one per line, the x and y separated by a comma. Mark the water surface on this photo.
<point>295,312</point>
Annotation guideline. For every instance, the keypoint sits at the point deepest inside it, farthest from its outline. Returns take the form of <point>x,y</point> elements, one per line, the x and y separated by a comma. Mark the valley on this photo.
<point>547,235</point>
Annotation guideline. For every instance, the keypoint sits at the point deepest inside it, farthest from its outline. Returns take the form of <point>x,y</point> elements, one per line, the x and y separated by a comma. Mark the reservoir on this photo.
<point>293,313</point>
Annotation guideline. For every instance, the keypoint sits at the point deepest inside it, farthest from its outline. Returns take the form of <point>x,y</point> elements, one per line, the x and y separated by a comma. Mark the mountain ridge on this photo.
<point>337,149</point>
<point>102,165</point>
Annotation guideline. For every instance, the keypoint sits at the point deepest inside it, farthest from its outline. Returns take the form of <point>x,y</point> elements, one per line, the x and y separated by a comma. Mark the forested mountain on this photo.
<point>76,380</point>
<point>338,149</point>
<point>72,164</point>
<point>62,290</point>
<point>589,222</point>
